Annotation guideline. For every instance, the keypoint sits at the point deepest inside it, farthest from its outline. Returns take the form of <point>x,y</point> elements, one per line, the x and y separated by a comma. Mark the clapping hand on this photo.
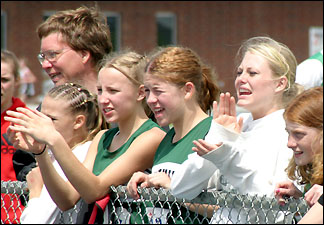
<point>203,147</point>
<point>225,114</point>
<point>29,129</point>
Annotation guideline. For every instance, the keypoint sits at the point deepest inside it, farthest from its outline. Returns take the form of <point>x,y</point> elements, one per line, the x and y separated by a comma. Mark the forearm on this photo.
<point>61,192</point>
<point>192,177</point>
<point>314,215</point>
<point>239,170</point>
<point>82,179</point>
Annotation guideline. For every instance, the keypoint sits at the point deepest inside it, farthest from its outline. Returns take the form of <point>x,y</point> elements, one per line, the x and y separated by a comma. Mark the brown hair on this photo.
<point>10,58</point>
<point>179,65</point>
<point>81,101</point>
<point>307,110</point>
<point>82,29</point>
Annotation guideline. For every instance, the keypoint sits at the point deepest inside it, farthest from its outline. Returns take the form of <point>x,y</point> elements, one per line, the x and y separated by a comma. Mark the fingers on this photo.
<point>199,149</point>
<point>15,121</point>
<point>312,196</point>
<point>203,147</point>
<point>136,179</point>
<point>227,105</point>
<point>207,145</point>
<point>18,114</point>
<point>281,195</point>
<point>18,128</point>
<point>232,106</point>
<point>215,110</point>
<point>221,108</point>
<point>158,180</point>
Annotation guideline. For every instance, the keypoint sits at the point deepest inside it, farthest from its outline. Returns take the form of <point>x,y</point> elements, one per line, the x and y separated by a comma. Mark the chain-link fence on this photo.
<point>159,206</point>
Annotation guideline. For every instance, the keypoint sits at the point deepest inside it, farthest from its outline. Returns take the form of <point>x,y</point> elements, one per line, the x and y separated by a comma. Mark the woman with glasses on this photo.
<point>72,44</point>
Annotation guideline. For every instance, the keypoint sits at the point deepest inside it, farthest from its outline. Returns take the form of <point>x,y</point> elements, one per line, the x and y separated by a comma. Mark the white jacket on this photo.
<point>43,210</point>
<point>253,161</point>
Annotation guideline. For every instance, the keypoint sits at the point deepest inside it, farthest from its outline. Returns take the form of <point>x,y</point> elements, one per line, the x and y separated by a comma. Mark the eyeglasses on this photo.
<point>51,55</point>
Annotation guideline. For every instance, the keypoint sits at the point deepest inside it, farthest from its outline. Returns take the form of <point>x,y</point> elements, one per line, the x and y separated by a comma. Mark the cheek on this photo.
<point>236,83</point>
<point>65,128</point>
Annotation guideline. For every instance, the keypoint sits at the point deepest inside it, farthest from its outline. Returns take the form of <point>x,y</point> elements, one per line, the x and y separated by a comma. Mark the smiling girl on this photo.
<point>304,124</point>
<point>180,90</point>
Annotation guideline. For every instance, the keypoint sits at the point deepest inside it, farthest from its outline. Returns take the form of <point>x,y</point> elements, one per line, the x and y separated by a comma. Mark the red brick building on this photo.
<point>214,29</point>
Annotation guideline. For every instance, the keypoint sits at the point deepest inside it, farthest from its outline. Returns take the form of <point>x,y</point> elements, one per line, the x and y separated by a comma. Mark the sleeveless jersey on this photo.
<point>170,155</point>
<point>104,158</point>
<point>168,158</point>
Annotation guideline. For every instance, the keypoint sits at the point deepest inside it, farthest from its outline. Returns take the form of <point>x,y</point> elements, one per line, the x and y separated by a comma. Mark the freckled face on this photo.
<point>300,140</point>
<point>165,100</point>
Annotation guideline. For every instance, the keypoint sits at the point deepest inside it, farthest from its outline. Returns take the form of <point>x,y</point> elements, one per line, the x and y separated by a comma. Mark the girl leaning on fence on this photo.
<point>114,154</point>
<point>73,112</point>
<point>304,124</point>
<point>180,90</point>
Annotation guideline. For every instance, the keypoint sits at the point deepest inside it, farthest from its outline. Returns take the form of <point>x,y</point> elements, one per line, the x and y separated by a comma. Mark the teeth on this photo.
<point>107,110</point>
<point>157,110</point>
<point>244,91</point>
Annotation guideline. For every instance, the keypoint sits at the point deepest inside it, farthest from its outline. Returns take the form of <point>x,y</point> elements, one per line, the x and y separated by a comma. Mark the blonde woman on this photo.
<point>250,152</point>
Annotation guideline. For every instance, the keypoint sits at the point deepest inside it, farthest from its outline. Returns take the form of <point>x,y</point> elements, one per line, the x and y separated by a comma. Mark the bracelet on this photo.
<point>41,151</point>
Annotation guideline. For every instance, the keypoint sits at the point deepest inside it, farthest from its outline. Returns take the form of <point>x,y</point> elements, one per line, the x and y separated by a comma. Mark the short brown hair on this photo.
<point>82,29</point>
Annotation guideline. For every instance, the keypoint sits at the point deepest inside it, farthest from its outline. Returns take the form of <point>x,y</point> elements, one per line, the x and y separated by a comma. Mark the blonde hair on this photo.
<point>81,101</point>
<point>83,29</point>
<point>307,110</point>
<point>281,60</point>
<point>180,65</point>
<point>131,65</point>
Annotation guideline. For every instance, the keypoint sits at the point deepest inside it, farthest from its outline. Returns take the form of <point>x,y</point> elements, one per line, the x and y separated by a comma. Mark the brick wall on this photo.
<point>214,29</point>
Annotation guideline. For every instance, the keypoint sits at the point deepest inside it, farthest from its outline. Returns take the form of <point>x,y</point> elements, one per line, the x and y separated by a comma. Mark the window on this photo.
<point>47,14</point>
<point>113,20</point>
<point>166,29</point>
<point>3,30</point>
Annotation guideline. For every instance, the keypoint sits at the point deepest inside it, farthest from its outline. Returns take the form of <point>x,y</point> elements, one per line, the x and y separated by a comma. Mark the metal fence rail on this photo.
<point>208,207</point>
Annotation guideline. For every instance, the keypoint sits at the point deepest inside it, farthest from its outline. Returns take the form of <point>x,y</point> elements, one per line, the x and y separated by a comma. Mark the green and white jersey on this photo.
<point>104,158</point>
<point>169,156</point>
